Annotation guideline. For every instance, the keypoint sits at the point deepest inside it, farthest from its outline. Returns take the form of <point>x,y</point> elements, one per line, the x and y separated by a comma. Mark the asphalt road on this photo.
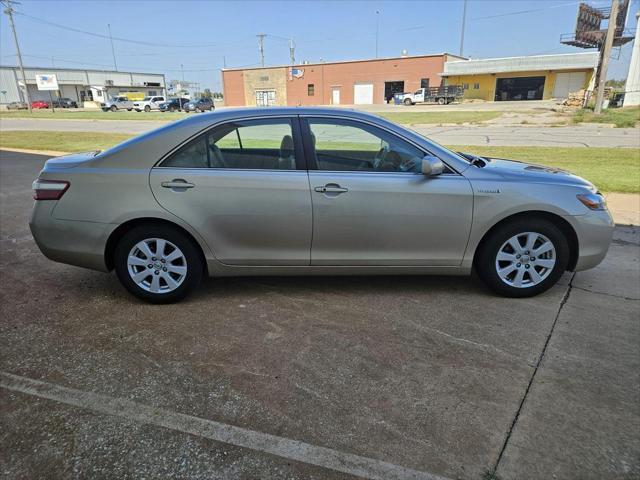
<point>499,135</point>
<point>312,378</point>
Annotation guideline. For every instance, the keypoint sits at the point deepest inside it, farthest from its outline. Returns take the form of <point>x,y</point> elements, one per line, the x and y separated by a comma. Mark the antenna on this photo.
<point>261,40</point>
<point>113,51</point>
<point>292,51</point>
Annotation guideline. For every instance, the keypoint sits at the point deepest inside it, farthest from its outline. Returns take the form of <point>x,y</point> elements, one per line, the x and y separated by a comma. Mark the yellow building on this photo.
<point>537,77</point>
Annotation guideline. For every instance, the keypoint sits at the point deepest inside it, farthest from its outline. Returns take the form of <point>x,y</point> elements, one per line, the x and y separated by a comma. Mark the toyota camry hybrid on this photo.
<point>311,191</point>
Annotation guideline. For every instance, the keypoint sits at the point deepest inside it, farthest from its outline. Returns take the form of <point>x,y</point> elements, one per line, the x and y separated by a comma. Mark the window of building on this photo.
<point>424,83</point>
<point>264,78</point>
<point>476,86</point>
<point>366,149</point>
<point>311,89</point>
<point>465,86</point>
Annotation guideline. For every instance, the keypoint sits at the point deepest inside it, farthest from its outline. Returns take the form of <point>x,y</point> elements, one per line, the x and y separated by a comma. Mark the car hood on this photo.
<point>516,170</point>
<point>70,161</point>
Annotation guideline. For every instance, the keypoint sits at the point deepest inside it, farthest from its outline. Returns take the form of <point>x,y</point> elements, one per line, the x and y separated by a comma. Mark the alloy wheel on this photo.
<point>157,265</point>
<point>525,260</point>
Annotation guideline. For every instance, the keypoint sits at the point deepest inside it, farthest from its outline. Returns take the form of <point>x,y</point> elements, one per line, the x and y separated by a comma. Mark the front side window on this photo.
<point>248,145</point>
<point>344,145</point>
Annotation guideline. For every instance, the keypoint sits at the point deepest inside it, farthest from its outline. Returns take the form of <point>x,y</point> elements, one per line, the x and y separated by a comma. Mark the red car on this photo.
<point>39,104</point>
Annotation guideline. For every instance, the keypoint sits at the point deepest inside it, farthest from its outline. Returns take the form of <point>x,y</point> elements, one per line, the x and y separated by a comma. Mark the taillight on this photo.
<point>49,189</point>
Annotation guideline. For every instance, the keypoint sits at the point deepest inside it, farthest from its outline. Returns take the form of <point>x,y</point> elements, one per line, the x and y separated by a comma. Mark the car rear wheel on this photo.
<point>441,101</point>
<point>157,263</point>
<point>523,258</point>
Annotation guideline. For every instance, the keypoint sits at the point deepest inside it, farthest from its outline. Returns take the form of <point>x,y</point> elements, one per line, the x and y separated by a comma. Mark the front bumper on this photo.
<point>67,241</point>
<point>594,231</point>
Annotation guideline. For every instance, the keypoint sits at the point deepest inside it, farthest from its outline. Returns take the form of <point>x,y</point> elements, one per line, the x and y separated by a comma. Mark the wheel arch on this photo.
<point>127,226</point>
<point>566,228</point>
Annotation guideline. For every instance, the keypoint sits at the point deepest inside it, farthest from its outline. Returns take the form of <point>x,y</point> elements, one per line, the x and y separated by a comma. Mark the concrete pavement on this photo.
<point>583,135</point>
<point>394,377</point>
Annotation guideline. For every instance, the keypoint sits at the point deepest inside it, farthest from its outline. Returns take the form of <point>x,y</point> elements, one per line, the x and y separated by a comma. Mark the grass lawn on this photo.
<point>620,117</point>
<point>60,141</point>
<point>405,118</point>
<point>611,169</point>
<point>414,118</point>
<point>71,114</point>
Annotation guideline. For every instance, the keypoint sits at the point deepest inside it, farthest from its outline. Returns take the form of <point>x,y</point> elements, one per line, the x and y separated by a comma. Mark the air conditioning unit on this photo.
<point>108,83</point>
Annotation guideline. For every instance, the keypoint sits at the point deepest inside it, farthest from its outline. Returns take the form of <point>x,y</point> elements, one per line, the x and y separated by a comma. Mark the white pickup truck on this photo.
<point>441,95</point>
<point>148,103</point>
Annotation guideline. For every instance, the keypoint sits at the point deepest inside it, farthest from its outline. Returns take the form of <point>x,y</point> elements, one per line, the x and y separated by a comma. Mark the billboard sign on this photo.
<point>47,82</point>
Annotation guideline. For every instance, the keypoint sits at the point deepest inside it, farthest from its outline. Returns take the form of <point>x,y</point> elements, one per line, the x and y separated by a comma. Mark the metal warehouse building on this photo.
<point>333,83</point>
<point>537,77</point>
<point>88,87</point>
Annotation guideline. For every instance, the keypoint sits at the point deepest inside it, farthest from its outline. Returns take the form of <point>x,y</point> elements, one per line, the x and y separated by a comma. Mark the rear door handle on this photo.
<point>178,183</point>
<point>331,188</point>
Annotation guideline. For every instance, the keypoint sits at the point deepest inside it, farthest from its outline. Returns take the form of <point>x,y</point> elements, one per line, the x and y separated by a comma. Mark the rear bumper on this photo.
<point>595,231</point>
<point>67,241</point>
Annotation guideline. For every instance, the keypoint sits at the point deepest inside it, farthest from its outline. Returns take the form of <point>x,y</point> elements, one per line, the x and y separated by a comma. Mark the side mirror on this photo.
<point>432,166</point>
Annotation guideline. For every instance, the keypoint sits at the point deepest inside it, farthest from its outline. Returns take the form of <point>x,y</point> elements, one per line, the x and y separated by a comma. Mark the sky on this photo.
<point>201,37</point>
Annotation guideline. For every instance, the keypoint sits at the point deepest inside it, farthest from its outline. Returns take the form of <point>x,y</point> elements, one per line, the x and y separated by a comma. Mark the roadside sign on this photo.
<point>47,82</point>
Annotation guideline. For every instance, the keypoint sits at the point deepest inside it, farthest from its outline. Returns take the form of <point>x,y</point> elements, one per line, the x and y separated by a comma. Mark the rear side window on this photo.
<point>266,144</point>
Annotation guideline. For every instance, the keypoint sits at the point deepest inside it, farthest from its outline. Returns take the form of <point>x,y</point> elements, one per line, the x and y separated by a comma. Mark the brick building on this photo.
<point>333,83</point>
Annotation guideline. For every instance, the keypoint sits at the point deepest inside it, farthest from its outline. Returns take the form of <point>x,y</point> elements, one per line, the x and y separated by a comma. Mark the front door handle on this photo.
<point>331,188</point>
<point>178,184</point>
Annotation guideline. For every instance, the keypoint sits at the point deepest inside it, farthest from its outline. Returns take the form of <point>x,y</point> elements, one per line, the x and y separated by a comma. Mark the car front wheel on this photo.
<point>157,263</point>
<point>523,258</point>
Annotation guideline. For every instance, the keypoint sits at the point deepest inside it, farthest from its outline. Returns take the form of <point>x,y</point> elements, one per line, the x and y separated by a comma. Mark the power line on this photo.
<point>521,12</point>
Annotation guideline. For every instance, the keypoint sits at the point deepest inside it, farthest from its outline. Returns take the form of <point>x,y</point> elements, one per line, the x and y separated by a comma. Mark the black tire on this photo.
<point>114,108</point>
<point>129,109</point>
<point>407,102</point>
<point>190,251</point>
<point>486,257</point>
<point>147,108</point>
<point>441,101</point>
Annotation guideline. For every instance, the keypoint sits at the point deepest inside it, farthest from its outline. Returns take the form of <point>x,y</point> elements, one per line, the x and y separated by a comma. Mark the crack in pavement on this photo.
<point>563,302</point>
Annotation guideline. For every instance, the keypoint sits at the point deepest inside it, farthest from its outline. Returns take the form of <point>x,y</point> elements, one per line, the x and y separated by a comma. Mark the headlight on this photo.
<point>593,201</point>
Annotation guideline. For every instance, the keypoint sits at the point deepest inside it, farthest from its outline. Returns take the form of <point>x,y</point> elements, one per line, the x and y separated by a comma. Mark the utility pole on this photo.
<point>182,70</point>
<point>464,21</point>
<point>261,40</point>
<point>224,61</point>
<point>377,29</point>
<point>605,53</point>
<point>292,51</point>
<point>113,50</point>
<point>9,12</point>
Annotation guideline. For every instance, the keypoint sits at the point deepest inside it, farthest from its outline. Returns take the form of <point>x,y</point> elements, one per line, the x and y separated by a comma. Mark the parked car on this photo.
<point>113,104</point>
<point>64,103</point>
<point>39,104</point>
<point>199,105</point>
<point>306,191</point>
<point>17,106</point>
<point>148,103</point>
<point>173,104</point>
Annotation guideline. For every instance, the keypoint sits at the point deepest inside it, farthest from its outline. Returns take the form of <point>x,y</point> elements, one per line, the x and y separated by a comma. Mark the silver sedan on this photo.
<point>311,191</point>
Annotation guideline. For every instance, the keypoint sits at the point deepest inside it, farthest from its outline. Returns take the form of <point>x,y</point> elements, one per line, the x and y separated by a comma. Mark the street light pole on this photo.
<point>464,21</point>
<point>377,29</point>
<point>9,12</point>
<point>261,46</point>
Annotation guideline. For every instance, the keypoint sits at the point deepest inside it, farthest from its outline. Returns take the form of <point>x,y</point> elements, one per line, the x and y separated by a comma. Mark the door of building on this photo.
<point>567,83</point>
<point>363,93</point>
<point>335,96</point>
<point>265,98</point>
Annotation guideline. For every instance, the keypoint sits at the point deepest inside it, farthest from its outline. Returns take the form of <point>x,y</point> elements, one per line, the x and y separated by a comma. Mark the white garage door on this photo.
<point>567,83</point>
<point>363,93</point>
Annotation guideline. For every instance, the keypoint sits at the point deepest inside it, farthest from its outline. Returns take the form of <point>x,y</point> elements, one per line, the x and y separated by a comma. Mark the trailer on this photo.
<point>442,95</point>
